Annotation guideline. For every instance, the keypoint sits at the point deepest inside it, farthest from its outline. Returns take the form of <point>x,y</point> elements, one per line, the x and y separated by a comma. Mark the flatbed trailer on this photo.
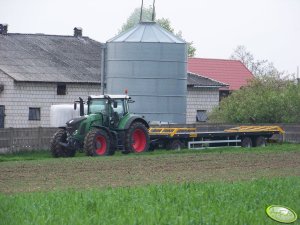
<point>242,136</point>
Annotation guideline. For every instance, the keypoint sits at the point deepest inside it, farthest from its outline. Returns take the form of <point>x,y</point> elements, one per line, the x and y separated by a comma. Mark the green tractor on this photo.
<point>107,127</point>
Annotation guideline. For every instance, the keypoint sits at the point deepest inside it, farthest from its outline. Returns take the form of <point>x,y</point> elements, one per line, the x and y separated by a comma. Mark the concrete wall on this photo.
<point>200,99</point>
<point>17,97</point>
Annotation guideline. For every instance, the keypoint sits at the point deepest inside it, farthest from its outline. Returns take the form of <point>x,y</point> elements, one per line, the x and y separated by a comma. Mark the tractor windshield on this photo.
<point>97,106</point>
<point>102,106</point>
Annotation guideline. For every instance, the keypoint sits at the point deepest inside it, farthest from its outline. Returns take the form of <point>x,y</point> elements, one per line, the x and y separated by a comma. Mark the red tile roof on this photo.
<point>231,72</point>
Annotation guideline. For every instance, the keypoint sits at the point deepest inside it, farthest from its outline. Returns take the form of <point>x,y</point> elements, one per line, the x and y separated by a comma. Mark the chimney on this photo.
<point>3,28</point>
<point>77,32</point>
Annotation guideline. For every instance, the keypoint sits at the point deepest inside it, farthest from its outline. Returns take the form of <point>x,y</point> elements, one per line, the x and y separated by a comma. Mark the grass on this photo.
<point>20,156</point>
<point>42,155</point>
<point>211,186</point>
<point>187,203</point>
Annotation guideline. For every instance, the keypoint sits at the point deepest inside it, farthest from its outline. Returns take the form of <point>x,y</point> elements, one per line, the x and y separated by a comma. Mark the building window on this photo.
<point>34,113</point>
<point>223,94</point>
<point>2,115</point>
<point>61,89</point>
<point>201,116</point>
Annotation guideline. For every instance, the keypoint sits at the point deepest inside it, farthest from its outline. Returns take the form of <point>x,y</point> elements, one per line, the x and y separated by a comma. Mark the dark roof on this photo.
<point>197,80</point>
<point>50,58</point>
<point>232,72</point>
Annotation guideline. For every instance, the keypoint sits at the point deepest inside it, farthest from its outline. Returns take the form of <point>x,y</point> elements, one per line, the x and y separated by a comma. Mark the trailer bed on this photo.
<point>245,136</point>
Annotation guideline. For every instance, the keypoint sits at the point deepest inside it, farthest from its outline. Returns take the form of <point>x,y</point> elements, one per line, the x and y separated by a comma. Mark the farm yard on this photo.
<point>128,130</point>
<point>215,186</point>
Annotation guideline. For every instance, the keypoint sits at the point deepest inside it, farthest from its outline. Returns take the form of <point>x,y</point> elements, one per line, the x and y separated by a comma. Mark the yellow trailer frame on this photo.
<point>171,132</point>
<point>237,135</point>
<point>256,129</point>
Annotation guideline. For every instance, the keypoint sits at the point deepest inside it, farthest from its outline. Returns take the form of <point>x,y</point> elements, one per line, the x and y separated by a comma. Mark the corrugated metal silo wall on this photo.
<point>155,75</point>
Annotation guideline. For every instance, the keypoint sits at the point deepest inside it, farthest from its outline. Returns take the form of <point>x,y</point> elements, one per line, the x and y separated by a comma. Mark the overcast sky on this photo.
<point>269,29</point>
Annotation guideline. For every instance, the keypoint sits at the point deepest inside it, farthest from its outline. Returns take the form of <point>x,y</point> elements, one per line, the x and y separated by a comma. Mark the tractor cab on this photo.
<point>112,107</point>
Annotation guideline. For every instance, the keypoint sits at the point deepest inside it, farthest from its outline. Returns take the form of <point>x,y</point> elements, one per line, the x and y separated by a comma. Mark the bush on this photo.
<point>267,99</point>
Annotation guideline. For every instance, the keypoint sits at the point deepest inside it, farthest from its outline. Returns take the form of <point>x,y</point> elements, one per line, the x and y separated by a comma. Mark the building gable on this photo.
<point>231,72</point>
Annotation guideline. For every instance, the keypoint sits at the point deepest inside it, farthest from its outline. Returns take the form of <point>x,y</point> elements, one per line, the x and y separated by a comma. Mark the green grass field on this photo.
<point>214,186</point>
<point>39,155</point>
<point>187,203</point>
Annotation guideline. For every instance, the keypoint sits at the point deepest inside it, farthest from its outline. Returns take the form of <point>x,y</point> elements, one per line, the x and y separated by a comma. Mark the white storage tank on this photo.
<point>60,114</point>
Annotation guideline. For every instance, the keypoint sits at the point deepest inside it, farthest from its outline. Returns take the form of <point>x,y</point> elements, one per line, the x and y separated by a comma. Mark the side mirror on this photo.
<point>81,107</point>
<point>115,104</point>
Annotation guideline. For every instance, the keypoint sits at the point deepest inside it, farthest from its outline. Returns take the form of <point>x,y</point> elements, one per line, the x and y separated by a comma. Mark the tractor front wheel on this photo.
<point>57,147</point>
<point>97,143</point>
<point>137,138</point>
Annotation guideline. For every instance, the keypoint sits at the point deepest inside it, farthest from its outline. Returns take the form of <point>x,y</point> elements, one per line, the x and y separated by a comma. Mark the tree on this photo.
<point>134,19</point>
<point>271,97</point>
<point>257,67</point>
<point>267,99</point>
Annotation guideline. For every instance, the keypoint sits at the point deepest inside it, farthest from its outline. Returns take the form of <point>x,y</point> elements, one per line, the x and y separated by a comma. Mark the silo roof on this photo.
<point>147,32</point>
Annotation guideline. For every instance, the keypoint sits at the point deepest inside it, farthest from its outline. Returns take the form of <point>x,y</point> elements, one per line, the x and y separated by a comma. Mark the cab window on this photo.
<point>97,106</point>
<point>120,107</point>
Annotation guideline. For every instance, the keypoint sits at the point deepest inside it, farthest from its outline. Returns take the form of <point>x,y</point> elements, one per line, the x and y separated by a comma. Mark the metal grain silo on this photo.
<point>151,63</point>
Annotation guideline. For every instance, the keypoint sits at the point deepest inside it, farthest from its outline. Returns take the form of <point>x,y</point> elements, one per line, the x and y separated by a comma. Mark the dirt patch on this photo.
<point>87,172</point>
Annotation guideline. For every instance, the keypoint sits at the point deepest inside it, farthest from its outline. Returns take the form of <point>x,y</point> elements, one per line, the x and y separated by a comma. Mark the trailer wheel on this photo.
<point>246,142</point>
<point>57,149</point>
<point>175,145</point>
<point>97,143</point>
<point>152,147</point>
<point>260,141</point>
<point>136,138</point>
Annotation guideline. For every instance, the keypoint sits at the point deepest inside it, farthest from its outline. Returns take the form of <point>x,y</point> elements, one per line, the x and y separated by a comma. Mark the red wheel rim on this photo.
<point>100,145</point>
<point>139,140</point>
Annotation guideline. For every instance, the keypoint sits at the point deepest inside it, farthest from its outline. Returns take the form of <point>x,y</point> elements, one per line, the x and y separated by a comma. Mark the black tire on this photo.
<point>152,147</point>
<point>57,150</point>
<point>246,142</point>
<point>260,141</point>
<point>97,143</point>
<point>175,145</point>
<point>137,138</point>
<point>125,152</point>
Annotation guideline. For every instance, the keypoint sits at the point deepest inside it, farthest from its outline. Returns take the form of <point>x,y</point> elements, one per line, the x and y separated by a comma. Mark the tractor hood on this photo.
<point>76,121</point>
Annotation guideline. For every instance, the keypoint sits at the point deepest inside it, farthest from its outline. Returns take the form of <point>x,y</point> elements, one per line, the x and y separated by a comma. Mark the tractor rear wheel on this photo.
<point>56,147</point>
<point>97,143</point>
<point>137,138</point>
